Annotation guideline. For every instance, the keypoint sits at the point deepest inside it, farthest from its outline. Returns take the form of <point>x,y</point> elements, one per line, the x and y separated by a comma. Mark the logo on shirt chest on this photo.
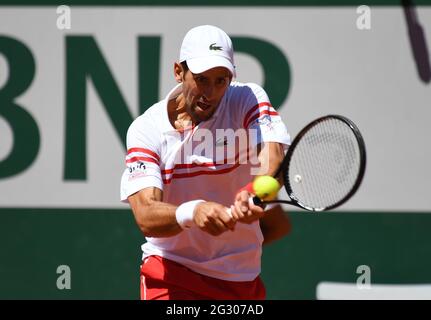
<point>211,147</point>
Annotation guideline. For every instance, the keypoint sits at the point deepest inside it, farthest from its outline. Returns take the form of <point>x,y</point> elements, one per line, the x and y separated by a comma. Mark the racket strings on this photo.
<point>324,164</point>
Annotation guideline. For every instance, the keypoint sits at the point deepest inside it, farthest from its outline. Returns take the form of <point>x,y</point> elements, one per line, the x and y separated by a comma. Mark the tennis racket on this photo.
<point>324,166</point>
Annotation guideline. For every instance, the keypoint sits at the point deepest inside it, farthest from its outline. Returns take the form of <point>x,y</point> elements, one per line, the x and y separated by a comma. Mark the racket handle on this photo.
<point>251,201</point>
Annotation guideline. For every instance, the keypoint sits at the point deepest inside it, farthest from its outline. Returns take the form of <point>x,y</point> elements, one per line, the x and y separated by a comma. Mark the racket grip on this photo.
<point>251,201</point>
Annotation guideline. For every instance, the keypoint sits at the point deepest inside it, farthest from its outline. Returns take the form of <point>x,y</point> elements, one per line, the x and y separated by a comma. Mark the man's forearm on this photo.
<point>154,217</point>
<point>158,220</point>
<point>274,225</point>
<point>270,158</point>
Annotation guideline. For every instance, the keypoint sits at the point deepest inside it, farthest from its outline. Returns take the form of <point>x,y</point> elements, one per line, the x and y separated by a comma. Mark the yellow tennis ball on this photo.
<point>266,187</point>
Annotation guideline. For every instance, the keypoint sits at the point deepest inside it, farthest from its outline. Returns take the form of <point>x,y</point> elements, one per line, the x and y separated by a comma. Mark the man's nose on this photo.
<point>208,92</point>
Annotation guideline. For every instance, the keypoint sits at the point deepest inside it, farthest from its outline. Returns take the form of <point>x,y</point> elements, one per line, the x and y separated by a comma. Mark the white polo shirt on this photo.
<point>210,161</point>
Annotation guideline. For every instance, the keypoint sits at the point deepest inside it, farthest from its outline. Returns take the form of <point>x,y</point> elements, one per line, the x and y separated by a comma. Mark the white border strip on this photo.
<point>352,291</point>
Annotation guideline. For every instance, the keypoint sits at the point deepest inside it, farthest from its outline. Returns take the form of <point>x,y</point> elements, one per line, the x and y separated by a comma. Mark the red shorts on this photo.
<point>163,279</point>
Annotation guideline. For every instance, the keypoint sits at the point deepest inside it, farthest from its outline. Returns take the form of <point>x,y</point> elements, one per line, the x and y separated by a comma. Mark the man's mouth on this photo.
<point>202,105</point>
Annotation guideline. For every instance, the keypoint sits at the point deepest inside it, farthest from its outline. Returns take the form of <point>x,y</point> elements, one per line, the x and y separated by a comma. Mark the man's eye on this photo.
<point>221,81</point>
<point>201,79</point>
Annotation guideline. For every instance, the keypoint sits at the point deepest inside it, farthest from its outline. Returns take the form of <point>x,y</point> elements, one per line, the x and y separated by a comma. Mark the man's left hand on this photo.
<point>244,210</point>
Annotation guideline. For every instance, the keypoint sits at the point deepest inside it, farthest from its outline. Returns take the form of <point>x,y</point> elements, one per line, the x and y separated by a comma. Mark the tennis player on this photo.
<point>182,175</point>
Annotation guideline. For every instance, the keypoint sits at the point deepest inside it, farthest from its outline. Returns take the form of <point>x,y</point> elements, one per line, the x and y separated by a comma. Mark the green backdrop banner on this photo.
<point>102,249</point>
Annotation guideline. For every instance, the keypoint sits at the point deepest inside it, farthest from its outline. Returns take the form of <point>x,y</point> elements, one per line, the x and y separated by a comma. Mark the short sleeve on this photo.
<point>142,160</point>
<point>260,118</point>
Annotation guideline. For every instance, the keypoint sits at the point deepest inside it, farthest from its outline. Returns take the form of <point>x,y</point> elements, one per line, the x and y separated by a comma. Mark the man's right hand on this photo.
<point>213,218</point>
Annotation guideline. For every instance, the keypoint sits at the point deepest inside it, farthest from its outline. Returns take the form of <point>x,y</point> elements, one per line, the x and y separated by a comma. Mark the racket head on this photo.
<point>334,159</point>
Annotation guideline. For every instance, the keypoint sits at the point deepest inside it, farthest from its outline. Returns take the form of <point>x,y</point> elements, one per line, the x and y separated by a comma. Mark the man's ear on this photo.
<point>178,72</point>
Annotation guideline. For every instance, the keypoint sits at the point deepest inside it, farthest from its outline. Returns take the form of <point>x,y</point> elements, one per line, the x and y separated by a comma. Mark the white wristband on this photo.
<point>184,213</point>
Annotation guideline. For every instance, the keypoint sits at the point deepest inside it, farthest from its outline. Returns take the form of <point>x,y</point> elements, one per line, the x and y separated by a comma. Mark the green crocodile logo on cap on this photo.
<point>214,47</point>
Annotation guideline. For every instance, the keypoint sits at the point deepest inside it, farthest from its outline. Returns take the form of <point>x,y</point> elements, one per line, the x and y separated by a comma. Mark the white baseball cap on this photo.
<point>206,47</point>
